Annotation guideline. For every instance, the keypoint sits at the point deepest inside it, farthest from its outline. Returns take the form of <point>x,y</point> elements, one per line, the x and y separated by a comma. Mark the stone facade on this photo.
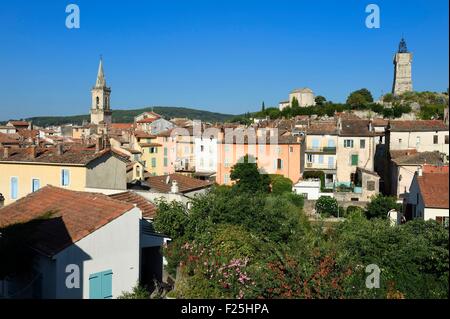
<point>402,70</point>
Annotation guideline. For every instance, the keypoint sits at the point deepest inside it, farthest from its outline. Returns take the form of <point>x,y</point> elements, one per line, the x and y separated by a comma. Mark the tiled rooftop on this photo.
<point>434,189</point>
<point>75,215</point>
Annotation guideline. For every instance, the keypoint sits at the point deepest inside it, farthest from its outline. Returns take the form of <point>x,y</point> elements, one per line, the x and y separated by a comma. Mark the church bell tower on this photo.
<point>101,95</point>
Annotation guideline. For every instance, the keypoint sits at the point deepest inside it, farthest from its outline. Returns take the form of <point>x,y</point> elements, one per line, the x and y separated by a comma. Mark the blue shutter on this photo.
<point>100,285</point>
<point>95,286</point>
<point>330,162</point>
<point>65,177</point>
<point>320,159</point>
<point>107,284</point>
<point>36,185</point>
<point>315,143</point>
<point>14,187</point>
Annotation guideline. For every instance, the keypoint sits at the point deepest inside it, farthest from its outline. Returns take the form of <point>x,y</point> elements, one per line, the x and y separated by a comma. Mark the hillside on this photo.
<point>127,116</point>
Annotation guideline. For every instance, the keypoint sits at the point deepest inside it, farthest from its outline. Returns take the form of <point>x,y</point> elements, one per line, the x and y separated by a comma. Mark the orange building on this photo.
<point>283,158</point>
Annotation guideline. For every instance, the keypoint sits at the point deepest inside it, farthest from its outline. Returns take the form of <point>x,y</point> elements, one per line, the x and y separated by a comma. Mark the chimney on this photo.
<point>168,179</point>
<point>98,144</point>
<point>2,200</point>
<point>60,149</point>
<point>32,151</point>
<point>5,153</point>
<point>174,189</point>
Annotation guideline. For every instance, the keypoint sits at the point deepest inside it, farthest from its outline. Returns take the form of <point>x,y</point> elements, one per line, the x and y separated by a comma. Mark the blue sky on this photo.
<point>224,56</point>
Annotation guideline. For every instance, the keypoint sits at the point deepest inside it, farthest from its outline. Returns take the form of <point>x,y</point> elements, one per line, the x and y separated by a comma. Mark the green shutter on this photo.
<point>354,160</point>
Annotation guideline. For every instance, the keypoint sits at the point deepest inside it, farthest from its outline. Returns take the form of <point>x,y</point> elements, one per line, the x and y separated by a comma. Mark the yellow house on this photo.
<point>25,170</point>
<point>146,144</point>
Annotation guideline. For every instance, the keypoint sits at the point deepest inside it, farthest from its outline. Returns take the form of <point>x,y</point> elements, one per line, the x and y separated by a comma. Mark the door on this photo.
<point>100,285</point>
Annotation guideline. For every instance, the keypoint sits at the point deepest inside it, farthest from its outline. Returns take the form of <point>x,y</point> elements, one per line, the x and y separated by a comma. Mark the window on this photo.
<point>65,177</point>
<point>165,151</point>
<point>362,143</point>
<point>35,184</point>
<point>315,144</point>
<point>165,162</point>
<point>14,187</point>
<point>100,285</point>
<point>446,139</point>
<point>226,178</point>
<point>399,141</point>
<point>370,185</point>
<point>291,149</point>
<point>320,159</point>
<point>227,162</point>
<point>348,143</point>
<point>417,140</point>
<point>153,162</point>
<point>435,139</point>
<point>202,148</point>
<point>354,160</point>
<point>310,158</point>
<point>279,163</point>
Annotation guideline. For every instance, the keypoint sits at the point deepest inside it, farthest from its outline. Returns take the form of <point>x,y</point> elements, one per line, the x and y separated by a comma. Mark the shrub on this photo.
<point>380,205</point>
<point>327,206</point>
<point>280,184</point>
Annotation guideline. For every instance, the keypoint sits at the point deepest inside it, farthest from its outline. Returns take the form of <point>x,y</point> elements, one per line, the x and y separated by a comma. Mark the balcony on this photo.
<point>321,150</point>
<point>318,166</point>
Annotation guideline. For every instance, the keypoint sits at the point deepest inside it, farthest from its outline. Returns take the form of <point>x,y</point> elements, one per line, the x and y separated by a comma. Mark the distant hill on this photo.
<point>127,116</point>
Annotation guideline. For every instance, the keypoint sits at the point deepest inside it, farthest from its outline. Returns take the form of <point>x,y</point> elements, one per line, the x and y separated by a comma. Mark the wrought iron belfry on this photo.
<point>402,46</point>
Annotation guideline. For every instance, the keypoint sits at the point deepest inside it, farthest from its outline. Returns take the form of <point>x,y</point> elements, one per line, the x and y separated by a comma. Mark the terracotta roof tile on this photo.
<point>148,208</point>
<point>434,189</point>
<point>74,216</point>
<point>418,126</point>
<point>71,155</point>
<point>185,183</point>
<point>433,158</point>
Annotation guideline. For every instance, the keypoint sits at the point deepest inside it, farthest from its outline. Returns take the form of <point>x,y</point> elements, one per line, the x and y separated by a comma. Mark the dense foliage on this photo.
<point>327,206</point>
<point>380,205</point>
<point>234,243</point>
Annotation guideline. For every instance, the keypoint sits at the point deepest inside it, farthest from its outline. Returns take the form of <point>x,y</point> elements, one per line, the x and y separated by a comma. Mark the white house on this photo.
<point>428,197</point>
<point>205,154</point>
<point>88,246</point>
<point>424,136</point>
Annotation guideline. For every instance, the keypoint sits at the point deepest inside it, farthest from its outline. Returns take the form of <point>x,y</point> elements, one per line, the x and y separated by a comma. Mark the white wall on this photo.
<point>422,141</point>
<point>115,247</point>
<point>432,213</point>
<point>205,161</point>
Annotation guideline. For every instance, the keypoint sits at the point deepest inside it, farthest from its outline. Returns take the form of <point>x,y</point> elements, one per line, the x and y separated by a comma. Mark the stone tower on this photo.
<point>101,94</point>
<point>402,70</point>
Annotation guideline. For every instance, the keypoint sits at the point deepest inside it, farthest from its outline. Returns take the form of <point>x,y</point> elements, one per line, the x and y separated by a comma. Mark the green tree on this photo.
<point>171,218</point>
<point>320,100</point>
<point>388,98</point>
<point>360,98</point>
<point>280,184</point>
<point>327,206</point>
<point>388,112</point>
<point>263,107</point>
<point>247,176</point>
<point>356,100</point>
<point>380,205</point>
<point>294,103</point>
